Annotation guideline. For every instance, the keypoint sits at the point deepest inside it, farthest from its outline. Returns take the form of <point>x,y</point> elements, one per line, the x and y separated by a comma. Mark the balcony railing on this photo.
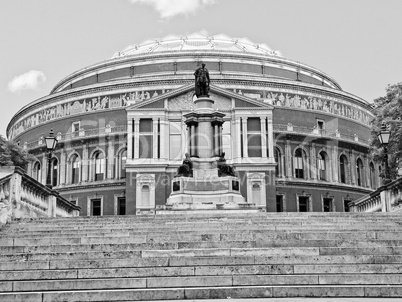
<point>289,128</point>
<point>84,133</point>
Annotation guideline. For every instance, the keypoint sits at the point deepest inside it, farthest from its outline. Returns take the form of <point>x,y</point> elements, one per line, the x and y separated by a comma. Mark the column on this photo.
<point>216,140</point>
<point>263,137</point>
<point>232,141</point>
<point>313,161</point>
<point>288,157</point>
<point>29,169</point>
<point>163,135</point>
<point>185,139</point>
<point>352,167</point>
<point>136,138</point>
<point>220,141</point>
<point>44,168</point>
<point>193,141</point>
<point>237,141</point>
<point>366,172</point>
<point>85,163</point>
<point>335,164</point>
<point>111,159</point>
<point>129,139</point>
<point>245,143</point>
<point>62,167</point>
<point>155,138</point>
<point>270,141</point>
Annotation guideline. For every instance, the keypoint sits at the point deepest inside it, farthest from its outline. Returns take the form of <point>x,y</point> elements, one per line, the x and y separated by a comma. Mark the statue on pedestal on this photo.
<point>202,81</point>
<point>223,168</point>
<point>186,169</point>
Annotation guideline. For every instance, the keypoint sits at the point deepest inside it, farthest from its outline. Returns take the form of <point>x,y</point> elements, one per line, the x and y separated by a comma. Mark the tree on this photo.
<point>13,155</point>
<point>388,110</point>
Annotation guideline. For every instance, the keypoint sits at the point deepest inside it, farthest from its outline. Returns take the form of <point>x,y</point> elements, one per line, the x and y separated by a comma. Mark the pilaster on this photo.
<point>313,161</point>
<point>335,164</point>
<point>245,140</point>
<point>288,158</point>
<point>44,169</point>
<point>237,141</point>
<point>352,166</point>
<point>155,138</point>
<point>263,137</point>
<point>129,139</point>
<point>111,159</point>
<point>164,148</point>
<point>136,138</point>
<point>85,163</point>
<point>270,140</point>
<point>62,167</point>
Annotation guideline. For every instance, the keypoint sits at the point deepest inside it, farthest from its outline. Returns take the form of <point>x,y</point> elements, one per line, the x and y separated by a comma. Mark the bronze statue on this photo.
<point>186,169</point>
<point>202,81</point>
<point>223,168</point>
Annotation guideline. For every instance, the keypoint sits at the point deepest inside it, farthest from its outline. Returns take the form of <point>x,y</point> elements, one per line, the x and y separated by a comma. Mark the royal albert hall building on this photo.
<point>297,141</point>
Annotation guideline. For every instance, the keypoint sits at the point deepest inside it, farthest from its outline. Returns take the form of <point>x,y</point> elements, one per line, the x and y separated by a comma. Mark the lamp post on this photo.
<point>384,136</point>
<point>51,142</point>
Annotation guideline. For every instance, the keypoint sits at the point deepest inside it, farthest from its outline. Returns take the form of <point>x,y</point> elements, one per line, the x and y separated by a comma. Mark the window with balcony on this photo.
<point>359,172</point>
<point>299,161</point>
<point>75,165</point>
<point>100,165</point>
<point>343,164</point>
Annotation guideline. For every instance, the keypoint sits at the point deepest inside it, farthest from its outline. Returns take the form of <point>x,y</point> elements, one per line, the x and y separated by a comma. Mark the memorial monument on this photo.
<point>204,180</point>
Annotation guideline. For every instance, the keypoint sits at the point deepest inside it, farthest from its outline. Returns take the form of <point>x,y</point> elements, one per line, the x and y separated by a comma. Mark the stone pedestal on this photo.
<point>205,190</point>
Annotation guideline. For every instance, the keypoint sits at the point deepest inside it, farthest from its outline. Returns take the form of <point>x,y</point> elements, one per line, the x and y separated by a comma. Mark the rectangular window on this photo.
<point>96,207</point>
<point>175,141</point>
<point>121,206</point>
<point>75,128</point>
<point>303,203</point>
<point>226,140</point>
<point>298,163</point>
<point>327,204</point>
<point>279,203</point>
<point>254,137</point>
<point>146,139</point>
<point>346,205</point>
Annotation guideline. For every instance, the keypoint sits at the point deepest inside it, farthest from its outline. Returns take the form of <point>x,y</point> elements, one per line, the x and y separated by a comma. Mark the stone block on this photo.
<point>135,272</point>
<point>186,253</point>
<point>114,295</point>
<point>349,269</point>
<point>228,293</point>
<point>24,265</point>
<point>216,245</point>
<point>201,261</point>
<point>21,297</point>
<point>203,281</point>
<point>384,291</point>
<point>47,285</point>
<point>275,251</point>
<point>243,270</point>
<point>38,274</point>
<point>108,263</point>
<point>6,286</point>
<point>345,279</point>
<point>317,291</point>
<point>275,280</point>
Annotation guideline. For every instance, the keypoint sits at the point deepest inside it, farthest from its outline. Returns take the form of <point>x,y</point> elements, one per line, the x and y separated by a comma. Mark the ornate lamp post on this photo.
<point>51,142</point>
<point>384,136</point>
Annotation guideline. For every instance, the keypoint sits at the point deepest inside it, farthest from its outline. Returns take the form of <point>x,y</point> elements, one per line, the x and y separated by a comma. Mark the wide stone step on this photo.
<point>194,261</point>
<point>233,292</point>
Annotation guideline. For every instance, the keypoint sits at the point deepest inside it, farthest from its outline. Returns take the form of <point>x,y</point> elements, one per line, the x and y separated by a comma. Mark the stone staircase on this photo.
<point>202,256</point>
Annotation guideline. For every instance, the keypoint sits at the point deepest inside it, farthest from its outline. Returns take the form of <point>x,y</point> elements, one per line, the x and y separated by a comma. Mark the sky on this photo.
<point>357,42</point>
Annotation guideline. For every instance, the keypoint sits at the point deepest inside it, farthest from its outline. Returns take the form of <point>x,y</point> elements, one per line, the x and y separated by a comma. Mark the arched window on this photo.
<point>372,176</point>
<point>298,163</point>
<point>100,164</point>
<point>75,169</point>
<point>54,168</point>
<point>36,172</point>
<point>343,163</point>
<point>122,164</point>
<point>359,172</point>
<point>278,160</point>
<point>322,166</point>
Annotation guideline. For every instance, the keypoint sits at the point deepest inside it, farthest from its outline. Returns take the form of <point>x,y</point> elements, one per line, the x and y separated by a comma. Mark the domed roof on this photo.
<point>197,42</point>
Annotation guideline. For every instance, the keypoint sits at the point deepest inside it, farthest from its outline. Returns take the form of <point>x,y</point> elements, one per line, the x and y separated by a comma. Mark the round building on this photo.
<point>296,140</point>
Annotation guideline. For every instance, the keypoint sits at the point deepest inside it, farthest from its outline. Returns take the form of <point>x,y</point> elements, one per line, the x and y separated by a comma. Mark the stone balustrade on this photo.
<point>320,132</point>
<point>387,198</point>
<point>23,197</point>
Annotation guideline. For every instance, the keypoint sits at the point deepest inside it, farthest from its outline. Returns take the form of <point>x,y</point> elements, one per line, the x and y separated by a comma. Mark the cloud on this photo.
<point>27,81</point>
<point>170,8</point>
